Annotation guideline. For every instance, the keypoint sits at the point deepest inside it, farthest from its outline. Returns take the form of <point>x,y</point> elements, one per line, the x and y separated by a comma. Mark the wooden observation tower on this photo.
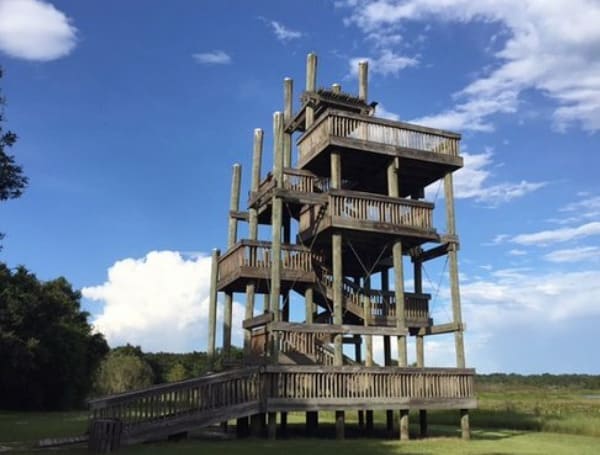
<point>347,214</point>
<point>354,196</point>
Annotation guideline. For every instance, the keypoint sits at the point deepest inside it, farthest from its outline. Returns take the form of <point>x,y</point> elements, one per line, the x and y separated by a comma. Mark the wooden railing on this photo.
<point>327,387</point>
<point>380,304</point>
<point>257,255</point>
<point>308,344</point>
<point>370,129</point>
<point>172,408</point>
<point>356,206</point>
<point>180,400</point>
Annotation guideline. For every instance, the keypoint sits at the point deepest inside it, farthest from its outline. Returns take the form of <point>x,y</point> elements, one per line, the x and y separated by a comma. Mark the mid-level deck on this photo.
<point>367,144</point>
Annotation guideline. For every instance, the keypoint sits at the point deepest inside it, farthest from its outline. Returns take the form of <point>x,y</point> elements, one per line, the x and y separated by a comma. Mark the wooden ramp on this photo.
<point>169,409</point>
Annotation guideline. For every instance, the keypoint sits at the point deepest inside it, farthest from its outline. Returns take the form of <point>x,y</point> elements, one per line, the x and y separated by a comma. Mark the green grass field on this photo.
<point>517,421</point>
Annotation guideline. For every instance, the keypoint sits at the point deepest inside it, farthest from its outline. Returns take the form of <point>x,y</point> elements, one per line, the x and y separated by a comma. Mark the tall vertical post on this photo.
<point>234,206</point>
<point>454,290</point>
<point>311,85</point>
<point>212,305</point>
<point>420,339</point>
<point>453,270</point>
<point>368,343</point>
<point>288,94</point>
<point>387,345</point>
<point>363,80</point>
<point>276,221</point>
<point>253,229</point>
<point>336,88</point>
<point>338,295</point>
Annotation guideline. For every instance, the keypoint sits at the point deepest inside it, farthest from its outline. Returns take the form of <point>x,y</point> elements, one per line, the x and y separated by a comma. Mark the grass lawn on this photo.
<point>521,421</point>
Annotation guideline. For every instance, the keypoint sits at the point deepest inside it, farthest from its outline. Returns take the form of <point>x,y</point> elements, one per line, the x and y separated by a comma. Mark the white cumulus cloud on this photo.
<point>216,57</point>
<point>388,63</point>
<point>35,30</point>
<point>159,301</point>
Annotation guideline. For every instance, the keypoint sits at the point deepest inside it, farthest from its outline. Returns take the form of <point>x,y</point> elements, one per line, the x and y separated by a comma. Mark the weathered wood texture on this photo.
<point>172,408</point>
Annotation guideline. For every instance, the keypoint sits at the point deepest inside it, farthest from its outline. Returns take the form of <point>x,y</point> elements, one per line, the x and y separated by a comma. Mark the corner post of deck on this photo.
<point>336,88</point>
<point>363,80</point>
<point>311,85</point>
<point>276,222</point>
<point>453,270</point>
<point>234,206</point>
<point>404,425</point>
<point>272,425</point>
<point>212,305</point>
<point>257,147</point>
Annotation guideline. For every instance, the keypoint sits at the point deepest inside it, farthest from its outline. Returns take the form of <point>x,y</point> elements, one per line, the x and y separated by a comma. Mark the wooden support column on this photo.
<point>312,423</point>
<point>276,222</point>
<point>336,88</point>
<point>212,305</point>
<point>368,347</point>
<point>420,340</point>
<point>234,206</point>
<point>363,80</point>
<point>338,291</point>
<point>257,150</point>
<point>288,93</point>
<point>454,291</point>
<point>453,271</point>
<point>257,423</point>
<point>272,425</point>
<point>404,435</point>
<point>339,425</point>
<point>387,347</point>
<point>394,191</point>
<point>465,425</point>
<point>242,427</point>
<point>311,85</point>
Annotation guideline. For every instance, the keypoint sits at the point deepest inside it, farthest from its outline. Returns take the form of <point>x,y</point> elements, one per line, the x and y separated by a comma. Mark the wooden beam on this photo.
<point>258,321</point>
<point>441,329</point>
<point>334,329</point>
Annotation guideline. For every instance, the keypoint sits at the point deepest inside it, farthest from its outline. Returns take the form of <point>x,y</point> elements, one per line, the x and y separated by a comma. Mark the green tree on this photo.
<point>48,351</point>
<point>121,372</point>
<point>12,180</point>
<point>177,373</point>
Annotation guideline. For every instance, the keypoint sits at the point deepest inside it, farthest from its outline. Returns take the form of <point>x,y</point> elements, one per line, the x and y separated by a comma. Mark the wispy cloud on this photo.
<point>382,112</point>
<point>216,57</point>
<point>547,47</point>
<point>472,182</point>
<point>35,30</point>
<point>547,237</point>
<point>283,33</point>
<point>388,63</point>
<point>574,254</point>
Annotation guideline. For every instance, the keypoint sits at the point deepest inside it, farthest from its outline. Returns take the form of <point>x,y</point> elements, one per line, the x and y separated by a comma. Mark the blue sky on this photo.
<point>130,115</point>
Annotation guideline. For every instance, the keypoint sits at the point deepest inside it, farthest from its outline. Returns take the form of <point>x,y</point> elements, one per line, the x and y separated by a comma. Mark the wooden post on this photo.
<point>257,151</point>
<point>309,305</point>
<point>276,222</point>
<point>288,94</point>
<point>465,426</point>
<point>363,80</point>
<point>234,206</point>
<point>336,88</point>
<point>311,85</point>
<point>358,358</point>
<point>257,423</point>
<point>423,422</point>
<point>394,191</point>
<point>404,435</point>
<point>339,425</point>
<point>312,423</point>
<point>241,427</point>
<point>212,305</point>
<point>272,425</point>
<point>283,423</point>
<point>366,319</point>
<point>453,271</point>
